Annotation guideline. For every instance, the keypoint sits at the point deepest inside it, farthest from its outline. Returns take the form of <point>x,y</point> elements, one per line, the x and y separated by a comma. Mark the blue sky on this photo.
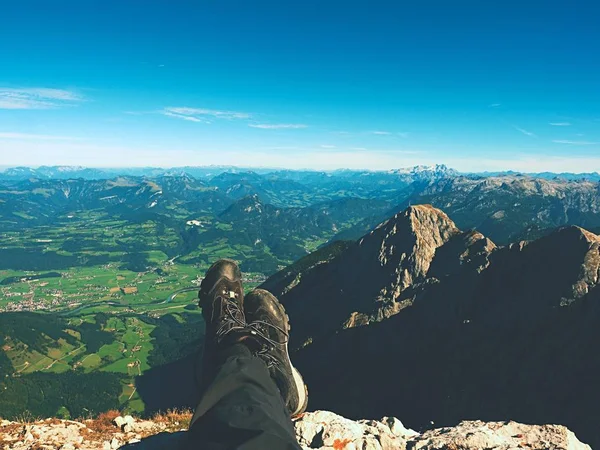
<point>312,84</point>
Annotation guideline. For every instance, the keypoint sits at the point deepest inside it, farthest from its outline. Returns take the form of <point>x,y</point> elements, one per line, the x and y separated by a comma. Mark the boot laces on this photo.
<point>233,319</point>
<point>259,329</point>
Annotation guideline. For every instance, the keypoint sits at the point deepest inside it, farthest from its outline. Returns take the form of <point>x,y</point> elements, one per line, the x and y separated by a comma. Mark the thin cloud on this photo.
<point>568,142</point>
<point>327,146</point>
<point>381,133</point>
<point>495,105</point>
<point>44,137</point>
<point>202,114</point>
<point>525,132</point>
<point>403,134</point>
<point>37,98</point>
<point>277,126</point>
<point>184,117</point>
<point>560,124</point>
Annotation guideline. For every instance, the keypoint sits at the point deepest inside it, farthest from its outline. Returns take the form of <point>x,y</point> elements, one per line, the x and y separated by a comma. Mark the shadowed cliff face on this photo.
<point>380,274</point>
<point>453,327</point>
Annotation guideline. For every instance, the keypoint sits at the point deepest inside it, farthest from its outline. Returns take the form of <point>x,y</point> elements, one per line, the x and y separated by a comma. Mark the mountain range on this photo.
<point>277,217</point>
<point>420,293</point>
<point>546,202</point>
<point>418,313</point>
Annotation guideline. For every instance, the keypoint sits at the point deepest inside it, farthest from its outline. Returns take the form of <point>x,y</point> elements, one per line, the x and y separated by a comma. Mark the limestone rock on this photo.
<point>129,420</point>
<point>398,429</point>
<point>319,430</point>
<point>324,430</point>
<point>119,421</point>
<point>498,436</point>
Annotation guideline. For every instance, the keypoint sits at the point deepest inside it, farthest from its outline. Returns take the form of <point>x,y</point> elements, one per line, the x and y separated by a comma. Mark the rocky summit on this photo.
<point>316,430</point>
<point>423,321</point>
<point>380,274</point>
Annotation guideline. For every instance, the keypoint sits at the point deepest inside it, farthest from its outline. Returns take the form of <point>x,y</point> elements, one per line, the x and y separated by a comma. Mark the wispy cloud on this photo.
<point>37,98</point>
<point>381,133</point>
<point>568,142</point>
<point>202,114</point>
<point>525,132</point>
<point>403,134</point>
<point>495,105</point>
<point>42,137</point>
<point>277,126</point>
<point>184,117</point>
<point>560,124</point>
<point>327,146</point>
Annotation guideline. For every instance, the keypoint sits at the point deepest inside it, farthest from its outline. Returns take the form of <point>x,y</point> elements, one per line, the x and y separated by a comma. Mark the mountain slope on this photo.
<point>479,331</point>
<point>378,275</point>
<point>505,206</point>
<point>288,232</point>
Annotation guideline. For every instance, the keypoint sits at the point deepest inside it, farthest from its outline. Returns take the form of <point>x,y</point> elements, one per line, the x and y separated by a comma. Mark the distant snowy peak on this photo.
<point>435,170</point>
<point>65,168</point>
<point>16,171</point>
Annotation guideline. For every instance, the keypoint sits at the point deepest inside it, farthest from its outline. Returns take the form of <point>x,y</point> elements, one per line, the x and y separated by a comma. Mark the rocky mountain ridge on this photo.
<point>381,273</point>
<point>506,208</point>
<point>420,313</point>
<point>320,430</point>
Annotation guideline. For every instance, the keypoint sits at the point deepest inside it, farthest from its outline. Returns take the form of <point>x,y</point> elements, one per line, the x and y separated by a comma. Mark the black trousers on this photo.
<point>241,408</point>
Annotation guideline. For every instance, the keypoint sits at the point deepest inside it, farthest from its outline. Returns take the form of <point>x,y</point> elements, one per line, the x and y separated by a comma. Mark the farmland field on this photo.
<point>105,285</point>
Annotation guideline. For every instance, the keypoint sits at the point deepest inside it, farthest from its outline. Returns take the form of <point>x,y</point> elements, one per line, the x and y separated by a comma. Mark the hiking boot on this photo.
<point>222,301</point>
<point>269,328</point>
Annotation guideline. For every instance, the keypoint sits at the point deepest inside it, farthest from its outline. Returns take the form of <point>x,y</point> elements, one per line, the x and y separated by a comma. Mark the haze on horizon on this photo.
<point>317,85</point>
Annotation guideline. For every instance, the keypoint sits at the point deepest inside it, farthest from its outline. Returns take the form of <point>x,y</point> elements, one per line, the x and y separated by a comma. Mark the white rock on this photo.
<point>320,430</point>
<point>306,431</point>
<point>340,432</point>
<point>119,421</point>
<point>351,446</point>
<point>398,429</point>
<point>127,428</point>
<point>325,430</point>
<point>368,443</point>
<point>498,435</point>
<point>129,420</point>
